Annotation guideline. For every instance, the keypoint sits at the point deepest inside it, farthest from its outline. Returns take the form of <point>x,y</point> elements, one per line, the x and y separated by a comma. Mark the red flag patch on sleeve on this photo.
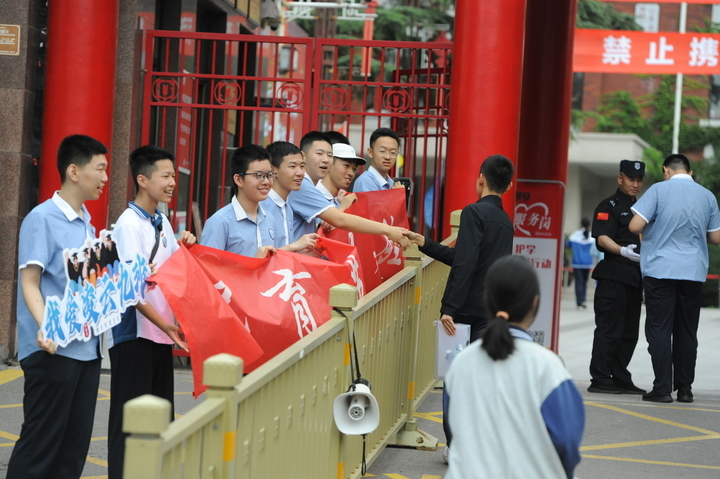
<point>602,216</point>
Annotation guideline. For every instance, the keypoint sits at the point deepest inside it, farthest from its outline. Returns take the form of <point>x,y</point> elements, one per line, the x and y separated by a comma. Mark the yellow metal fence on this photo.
<point>277,421</point>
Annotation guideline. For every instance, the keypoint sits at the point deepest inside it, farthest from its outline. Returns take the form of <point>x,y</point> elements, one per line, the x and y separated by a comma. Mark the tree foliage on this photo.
<point>397,22</point>
<point>619,112</point>
<point>603,16</point>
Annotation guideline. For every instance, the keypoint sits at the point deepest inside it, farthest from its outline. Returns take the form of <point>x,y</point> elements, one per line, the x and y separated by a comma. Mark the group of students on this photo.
<point>282,193</point>
<point>510,404</point>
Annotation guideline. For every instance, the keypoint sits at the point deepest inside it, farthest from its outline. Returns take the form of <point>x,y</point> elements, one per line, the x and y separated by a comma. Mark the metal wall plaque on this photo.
<point>9,39</point>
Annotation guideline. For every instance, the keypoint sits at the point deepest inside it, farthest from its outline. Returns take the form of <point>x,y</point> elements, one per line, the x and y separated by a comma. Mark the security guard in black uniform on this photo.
<point>618,295</point>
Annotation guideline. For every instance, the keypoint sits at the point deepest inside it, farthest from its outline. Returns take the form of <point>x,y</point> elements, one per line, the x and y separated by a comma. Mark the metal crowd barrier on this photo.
<point>277,421</point>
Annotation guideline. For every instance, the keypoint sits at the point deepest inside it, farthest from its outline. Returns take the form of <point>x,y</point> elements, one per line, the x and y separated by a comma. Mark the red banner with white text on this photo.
<point>702,2</point>
<point>622,51</point>
<point>249,307</point>
<point>379,257</point>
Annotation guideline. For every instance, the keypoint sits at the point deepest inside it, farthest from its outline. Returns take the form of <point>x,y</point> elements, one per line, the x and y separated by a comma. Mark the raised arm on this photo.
<point>357,224</point>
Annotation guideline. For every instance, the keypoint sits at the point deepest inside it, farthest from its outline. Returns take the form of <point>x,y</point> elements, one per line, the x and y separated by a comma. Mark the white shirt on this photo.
<point>133,234</point>
<point>326,193</point>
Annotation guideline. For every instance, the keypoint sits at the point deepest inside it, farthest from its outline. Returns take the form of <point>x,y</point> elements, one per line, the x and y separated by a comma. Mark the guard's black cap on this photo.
<point>632,169</point>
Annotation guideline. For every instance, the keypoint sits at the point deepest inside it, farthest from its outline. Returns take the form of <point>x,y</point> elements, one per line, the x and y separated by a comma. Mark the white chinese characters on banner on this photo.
<point>292,290</point>
<point>658,52</point>
<point>99,289</point>
<point>703,51</point>
<point>617,50</point>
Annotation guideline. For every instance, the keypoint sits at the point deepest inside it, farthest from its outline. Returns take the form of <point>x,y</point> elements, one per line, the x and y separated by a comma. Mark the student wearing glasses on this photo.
<point>383,153</point>
<point>243,227</point>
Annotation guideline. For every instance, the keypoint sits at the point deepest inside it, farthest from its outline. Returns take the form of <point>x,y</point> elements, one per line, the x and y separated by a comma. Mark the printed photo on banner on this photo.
<point>99,289</point>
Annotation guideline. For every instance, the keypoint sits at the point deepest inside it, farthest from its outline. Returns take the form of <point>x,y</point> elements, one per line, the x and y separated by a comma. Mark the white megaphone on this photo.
<point>356,411</point>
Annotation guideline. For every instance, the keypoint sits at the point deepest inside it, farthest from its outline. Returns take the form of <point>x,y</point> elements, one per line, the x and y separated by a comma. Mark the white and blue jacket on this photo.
<point>582,257</point>
<point>521,417</point>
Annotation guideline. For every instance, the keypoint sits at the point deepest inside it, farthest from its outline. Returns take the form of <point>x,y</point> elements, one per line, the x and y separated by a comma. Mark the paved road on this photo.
<point>625,437</point>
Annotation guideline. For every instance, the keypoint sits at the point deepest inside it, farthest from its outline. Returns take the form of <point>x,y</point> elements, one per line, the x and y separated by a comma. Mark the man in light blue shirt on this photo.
<point>242,227</point>
<point>288,162</point>
<point>61,383</point>
<point>677,219</point>
<point>308,203</point>
<point>383,153</point>
<point>334,186</point>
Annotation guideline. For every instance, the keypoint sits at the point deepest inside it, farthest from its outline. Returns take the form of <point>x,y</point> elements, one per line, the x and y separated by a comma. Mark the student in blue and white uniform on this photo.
<point>582,244</point>
<point>334,186</point>
<point>308,203</point>
<point>61,383</point>
<point>242,227</point>
<point>383,153</point>
<point>513,409</point>
<point>287,161</point>
<point>141,358</point>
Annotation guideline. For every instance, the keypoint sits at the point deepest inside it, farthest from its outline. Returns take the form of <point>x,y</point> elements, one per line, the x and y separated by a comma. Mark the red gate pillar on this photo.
<point>547,90</point>
<point>79,85</point>
<point>484,94</point>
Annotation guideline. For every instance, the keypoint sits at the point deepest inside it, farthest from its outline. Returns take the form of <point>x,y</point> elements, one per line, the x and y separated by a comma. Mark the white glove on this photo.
<point>629,252</point>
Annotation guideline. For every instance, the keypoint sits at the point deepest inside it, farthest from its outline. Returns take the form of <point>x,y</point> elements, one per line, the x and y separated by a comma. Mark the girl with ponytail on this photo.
<point>514,411</point>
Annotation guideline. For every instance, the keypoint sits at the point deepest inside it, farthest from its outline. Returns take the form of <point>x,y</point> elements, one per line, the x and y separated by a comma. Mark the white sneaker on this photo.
<point>445,453</point>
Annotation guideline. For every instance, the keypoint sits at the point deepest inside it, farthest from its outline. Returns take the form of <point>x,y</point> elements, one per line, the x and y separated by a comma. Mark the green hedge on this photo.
<point>710,289</point>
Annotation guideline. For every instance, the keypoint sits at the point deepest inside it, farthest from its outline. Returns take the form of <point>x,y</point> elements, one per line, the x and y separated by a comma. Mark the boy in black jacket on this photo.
<point>486,234</point>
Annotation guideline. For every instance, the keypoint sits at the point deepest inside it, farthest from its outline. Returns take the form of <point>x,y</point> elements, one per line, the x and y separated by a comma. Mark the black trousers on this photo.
<point>673,314</point>
<point>617,322</point>
<point>138,367</point>
<point>59,409</point>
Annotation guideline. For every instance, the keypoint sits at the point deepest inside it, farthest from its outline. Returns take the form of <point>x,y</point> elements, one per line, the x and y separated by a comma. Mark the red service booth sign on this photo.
<point>539,237</point>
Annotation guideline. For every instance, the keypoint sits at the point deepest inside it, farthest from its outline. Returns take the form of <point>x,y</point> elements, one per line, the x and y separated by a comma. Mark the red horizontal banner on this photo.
<point>703,2</point>
<point>622,51</point>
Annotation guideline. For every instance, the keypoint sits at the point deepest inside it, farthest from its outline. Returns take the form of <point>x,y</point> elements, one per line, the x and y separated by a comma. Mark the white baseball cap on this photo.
<point>347,152</point>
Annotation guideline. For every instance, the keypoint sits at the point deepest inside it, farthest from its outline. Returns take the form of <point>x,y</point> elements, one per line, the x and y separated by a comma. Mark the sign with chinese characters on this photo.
<point>10,40</point>
<point>614,51</point>
<point>99,289</point>
<point>539,237</point>
<point>647,15</point>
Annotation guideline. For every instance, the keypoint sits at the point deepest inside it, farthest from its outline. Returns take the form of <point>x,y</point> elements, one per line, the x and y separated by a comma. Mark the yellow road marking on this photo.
<point>10,375</point>
<point>643,461</point>
<point>394,476</point>
<point>104,392</point>
<point>427,476</point>
<point>651,418</point>
<point>10,405</point>
<point>97,461</point>
<point>649,443</point>
<point>94,477</point>
<point>430,416</point>
<point>655,406</point>
<point>7,435</point>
